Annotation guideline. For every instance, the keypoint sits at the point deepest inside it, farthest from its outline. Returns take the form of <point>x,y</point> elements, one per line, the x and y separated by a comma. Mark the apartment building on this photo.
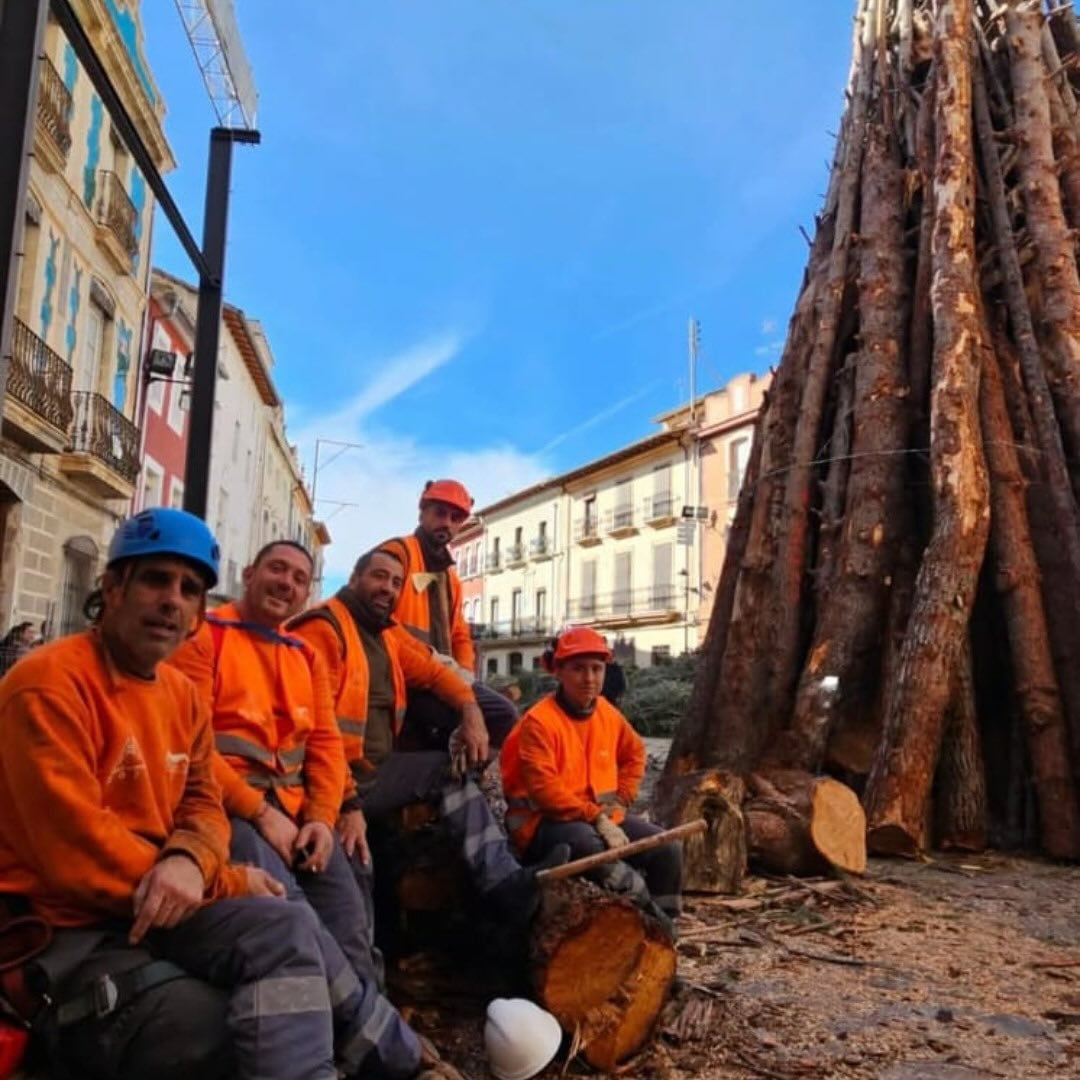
<point>69,450</point>
<point>630,543</point>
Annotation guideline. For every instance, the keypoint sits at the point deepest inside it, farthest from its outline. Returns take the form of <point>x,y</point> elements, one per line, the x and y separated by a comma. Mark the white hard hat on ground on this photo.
<point>521,1038</point>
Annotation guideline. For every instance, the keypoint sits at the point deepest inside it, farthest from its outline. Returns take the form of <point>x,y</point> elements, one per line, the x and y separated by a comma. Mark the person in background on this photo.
<point>165,960</point>
<point>17,642</point>
<point>429,607</point>
<point>571,769</point>
<point>614,683</point>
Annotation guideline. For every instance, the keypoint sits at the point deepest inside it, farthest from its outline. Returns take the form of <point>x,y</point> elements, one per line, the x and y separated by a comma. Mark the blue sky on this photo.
<point>475,231</point>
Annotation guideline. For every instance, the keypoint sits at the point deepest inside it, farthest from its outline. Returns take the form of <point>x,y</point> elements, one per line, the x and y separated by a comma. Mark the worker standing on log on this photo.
<point>280,762</point>
<point>164,959</point>
<point>429,607</point>
<point>572,767</point>
<point>372,661</point>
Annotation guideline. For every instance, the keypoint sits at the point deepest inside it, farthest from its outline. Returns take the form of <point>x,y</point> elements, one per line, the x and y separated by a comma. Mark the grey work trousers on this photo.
<point>271,997</point>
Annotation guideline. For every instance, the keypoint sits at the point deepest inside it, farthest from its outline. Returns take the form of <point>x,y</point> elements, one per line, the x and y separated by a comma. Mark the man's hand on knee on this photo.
<point>313,846</point>
<point>352,830</point>
<point>171,891</point>
<point>260,883</point>
<point>609,832</point>
<point>278,830</point>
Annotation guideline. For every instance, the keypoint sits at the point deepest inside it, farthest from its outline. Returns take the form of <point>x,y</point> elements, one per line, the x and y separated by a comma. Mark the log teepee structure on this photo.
<point>900,604</point>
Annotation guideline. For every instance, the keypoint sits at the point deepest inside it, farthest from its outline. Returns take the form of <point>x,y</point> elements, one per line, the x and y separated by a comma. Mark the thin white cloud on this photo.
<point>768,326</point>
<point>598,418</point>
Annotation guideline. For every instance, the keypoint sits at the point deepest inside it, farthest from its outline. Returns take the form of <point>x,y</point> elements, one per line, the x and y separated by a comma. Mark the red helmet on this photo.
<point>581,641</point>
<point>451,492</point>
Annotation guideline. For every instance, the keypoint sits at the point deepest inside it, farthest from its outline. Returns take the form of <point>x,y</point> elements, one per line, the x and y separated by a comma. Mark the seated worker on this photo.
<point>572,767</point>
<point>372,661</point>
<point>165,961</point>
<point>280,762</point>
<point>429,607</point>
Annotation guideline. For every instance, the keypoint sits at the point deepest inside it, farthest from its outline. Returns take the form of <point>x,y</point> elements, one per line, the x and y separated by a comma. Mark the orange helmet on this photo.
<point>451,492</point>
<point>580,641</point>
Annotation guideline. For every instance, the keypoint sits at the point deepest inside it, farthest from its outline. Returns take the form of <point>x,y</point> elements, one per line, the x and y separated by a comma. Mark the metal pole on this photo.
<point>315,476</point>
<point>22,24</point>
<point>208,317</point>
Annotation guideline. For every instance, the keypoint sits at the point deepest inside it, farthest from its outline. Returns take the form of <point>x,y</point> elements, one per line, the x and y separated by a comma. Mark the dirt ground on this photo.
<point>950,969</point>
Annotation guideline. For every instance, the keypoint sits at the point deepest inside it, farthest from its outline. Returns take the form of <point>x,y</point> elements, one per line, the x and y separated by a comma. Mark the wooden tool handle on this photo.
<point>579,866</point>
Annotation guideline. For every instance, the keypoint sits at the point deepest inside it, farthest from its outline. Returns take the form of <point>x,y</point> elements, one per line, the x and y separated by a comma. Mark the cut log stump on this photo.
<point>803,824</point>
<point>602,967</point>
<point>713,861</point>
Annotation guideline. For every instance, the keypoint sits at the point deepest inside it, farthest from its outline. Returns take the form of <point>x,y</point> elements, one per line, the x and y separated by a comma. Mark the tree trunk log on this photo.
<point>961,782</point>
<point>1055,250</point>
<point>714,861</point>
<point>899,788</point>
<point>803,824</point>
<point>603,968</point>
<point>838,674</point>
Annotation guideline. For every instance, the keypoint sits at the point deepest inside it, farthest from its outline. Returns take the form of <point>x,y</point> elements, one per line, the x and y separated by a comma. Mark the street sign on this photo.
<point>684,533</point>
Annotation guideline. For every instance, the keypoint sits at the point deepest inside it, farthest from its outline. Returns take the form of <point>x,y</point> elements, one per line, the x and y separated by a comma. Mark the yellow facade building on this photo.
<point>69,451</point>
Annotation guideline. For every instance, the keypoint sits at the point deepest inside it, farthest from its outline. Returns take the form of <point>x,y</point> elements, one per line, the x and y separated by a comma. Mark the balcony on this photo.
<point>493,562</point>
<point>620,522</point>
<point>587,532</point>
<point>515,555</point>
<point>523,628</point>
<point>659,511</point>
<point>37,411</point>
<point>628,607</point>
<point>541,548</point>
<point>52,132</point>
<point>116,222</point>
<point>103,453</point>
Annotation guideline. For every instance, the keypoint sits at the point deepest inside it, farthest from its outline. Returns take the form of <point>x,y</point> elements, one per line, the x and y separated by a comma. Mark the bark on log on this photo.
<point>839,670</point>
<point>899,787</point>
<point>803,824</point>
<point>1016,578</point>
<point>960,798</point>
<point>834,490</point>
<point>714,861</point>
<point>603,968</point>
<point>1055,251</point>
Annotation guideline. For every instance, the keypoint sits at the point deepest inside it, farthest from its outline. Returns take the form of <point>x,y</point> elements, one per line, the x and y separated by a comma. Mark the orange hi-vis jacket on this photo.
<point>567,769</point>
<point>273,717</point>
<point>101,775</point>
<point>331,631</point>
<point>413,610</point>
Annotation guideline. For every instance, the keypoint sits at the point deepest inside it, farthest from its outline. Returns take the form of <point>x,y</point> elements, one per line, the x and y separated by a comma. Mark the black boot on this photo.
<point>518,897</point>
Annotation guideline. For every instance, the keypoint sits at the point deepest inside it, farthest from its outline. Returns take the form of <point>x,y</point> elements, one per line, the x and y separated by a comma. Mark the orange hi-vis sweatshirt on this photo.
<point>331,631</point>
<point>413,609</point>
<point>102,774</point>
<point>561,767</point>
<point>273,717</point>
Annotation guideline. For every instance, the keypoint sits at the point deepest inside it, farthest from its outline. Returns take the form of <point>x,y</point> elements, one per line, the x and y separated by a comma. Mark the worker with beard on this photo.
<point>373,662</point>
<point>142,951</point>
<point>280,761</point>
<point>429,607</point>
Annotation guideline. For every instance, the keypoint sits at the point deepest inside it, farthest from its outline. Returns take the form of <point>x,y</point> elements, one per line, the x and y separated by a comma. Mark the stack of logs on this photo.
<point>899,609</point>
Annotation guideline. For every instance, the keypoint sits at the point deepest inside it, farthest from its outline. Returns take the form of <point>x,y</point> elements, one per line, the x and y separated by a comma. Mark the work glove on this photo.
<point>610,833</point>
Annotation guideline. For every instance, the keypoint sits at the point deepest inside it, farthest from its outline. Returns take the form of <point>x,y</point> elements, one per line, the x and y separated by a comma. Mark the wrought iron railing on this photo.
<point>659,506</point>
<point>117,212</point>
<point>39,378</point>
<point>619,519</point>
<point>515,554</point>
<point>626,603</point>
<point>102,431</point>
<point>493,560</point>
<point>525,626</point>
<point>539,546</point>
<point>586,528</point>
<point>54,105</point>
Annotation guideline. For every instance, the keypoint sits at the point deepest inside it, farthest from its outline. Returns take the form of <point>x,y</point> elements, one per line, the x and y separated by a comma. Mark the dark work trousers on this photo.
<point>429,720</point>
<point>335,893</point>
<point>655,874</point>
<point>404,778</point>
<point>266,978</point>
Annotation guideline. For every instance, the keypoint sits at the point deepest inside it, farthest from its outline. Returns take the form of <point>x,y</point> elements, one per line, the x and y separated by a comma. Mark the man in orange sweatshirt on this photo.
<point>166,960</point>
<point>280,760</point>
<point>428,605</point>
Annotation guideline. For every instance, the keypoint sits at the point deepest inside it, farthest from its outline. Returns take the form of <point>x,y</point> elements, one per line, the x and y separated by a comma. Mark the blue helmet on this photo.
<point>164,531</point>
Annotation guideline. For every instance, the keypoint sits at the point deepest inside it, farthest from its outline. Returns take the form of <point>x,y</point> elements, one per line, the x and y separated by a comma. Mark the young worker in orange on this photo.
<point>372,662</point>
<point>165,960</point>
<point>572,767</point>
<point>280,760</point>
<point>429,607</point>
